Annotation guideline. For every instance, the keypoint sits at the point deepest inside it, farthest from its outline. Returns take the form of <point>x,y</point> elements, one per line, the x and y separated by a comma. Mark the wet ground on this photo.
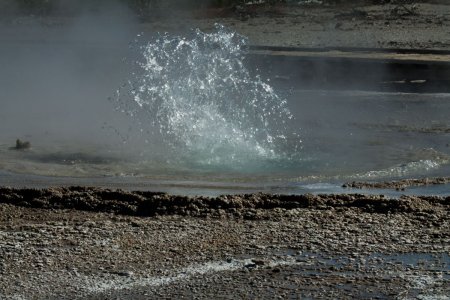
<point>257,246</point>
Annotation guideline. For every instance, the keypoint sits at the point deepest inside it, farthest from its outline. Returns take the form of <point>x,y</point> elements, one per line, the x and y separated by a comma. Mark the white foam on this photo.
<point>208,108</point>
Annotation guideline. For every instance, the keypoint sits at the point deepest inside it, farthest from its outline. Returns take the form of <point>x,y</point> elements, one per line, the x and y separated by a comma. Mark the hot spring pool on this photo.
<point>190,117</point>
<point>346,136</point>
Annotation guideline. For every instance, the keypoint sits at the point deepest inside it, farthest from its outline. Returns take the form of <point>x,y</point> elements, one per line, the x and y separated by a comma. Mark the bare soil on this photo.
<point>413,26</point>
<point>90,243</point>
<point>424,25</point>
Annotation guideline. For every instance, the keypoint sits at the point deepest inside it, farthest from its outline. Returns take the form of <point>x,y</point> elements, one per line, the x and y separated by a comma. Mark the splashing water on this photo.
<point>206,105</point>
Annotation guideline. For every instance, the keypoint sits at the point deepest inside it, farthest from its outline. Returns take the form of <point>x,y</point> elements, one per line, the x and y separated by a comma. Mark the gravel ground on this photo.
<point>260,246</point>
<point>416,26</point>
<point>398,184</point>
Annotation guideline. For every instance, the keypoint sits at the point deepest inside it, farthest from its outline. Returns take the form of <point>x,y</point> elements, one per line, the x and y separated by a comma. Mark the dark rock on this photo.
<point>125,273</point>
<point>22,145</point>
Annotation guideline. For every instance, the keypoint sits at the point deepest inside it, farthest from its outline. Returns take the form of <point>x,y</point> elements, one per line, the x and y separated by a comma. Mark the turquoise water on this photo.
<point>387,137</point>
<point>191,117</point>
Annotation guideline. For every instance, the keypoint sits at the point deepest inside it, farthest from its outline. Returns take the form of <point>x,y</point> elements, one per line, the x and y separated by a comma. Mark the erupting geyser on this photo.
<point>196,94</point>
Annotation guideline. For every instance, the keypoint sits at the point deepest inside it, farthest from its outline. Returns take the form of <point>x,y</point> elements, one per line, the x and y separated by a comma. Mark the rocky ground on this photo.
<point>248,246</point>
<point>398,184</point>
<point>418,25</point>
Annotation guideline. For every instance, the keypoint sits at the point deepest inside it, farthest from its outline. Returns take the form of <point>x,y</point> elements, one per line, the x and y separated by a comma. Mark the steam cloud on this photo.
<point>56,74</point>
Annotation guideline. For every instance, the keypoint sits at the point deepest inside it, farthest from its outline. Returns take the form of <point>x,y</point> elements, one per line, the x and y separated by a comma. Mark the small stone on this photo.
<point>135,224</point>
<point>250,265</point>
<point>125,273</point>
<point>276,270</point>
<point>258,262</point>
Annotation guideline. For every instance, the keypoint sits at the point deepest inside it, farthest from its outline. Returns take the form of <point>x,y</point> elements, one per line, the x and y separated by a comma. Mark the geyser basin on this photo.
<point>200,118</point>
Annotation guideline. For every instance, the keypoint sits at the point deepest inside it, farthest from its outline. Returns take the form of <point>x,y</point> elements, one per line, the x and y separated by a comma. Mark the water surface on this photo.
<point>191,117</point>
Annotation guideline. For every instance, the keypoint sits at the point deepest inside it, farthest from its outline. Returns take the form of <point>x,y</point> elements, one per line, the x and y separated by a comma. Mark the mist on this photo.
<point>56,75</point>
